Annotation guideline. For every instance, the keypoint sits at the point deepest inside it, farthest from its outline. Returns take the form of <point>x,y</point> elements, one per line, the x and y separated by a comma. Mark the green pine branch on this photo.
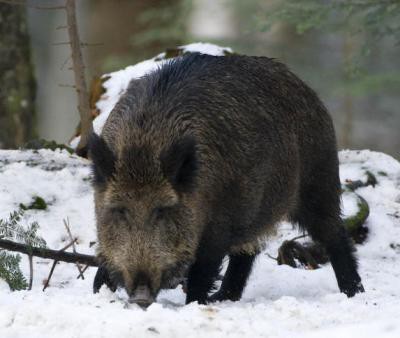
<point>11,272</point>
<point>11,229</point>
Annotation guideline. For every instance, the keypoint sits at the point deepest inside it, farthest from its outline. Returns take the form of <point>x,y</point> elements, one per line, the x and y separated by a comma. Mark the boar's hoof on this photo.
<point>223,295</point>
<point>353,289</point>
<point>103,277</point>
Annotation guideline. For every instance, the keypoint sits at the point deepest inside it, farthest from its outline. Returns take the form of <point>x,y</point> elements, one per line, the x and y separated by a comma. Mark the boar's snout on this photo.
<point>142,296</point>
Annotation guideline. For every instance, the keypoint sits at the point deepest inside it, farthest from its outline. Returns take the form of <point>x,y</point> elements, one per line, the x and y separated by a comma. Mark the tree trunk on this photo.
<point>17,90</point>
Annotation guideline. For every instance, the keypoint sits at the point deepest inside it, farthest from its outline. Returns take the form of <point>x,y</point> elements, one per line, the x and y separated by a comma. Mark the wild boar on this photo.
<point>201,159</point>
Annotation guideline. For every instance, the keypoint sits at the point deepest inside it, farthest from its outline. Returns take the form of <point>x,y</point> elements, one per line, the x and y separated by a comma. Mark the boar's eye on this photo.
<point>119,212</point>
<point>159,213</point>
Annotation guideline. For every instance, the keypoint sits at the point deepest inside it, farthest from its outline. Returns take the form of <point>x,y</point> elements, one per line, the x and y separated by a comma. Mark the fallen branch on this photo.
<point>57,255</point>
<point>30,272</point>
<point>66,224</point>
<point>47,283</point>
<point>355,224</point>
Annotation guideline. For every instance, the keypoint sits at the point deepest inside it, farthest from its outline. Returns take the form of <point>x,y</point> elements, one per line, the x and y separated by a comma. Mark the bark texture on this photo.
<point>57,255</point>
<point>17,90</point>
<point>80,82</point>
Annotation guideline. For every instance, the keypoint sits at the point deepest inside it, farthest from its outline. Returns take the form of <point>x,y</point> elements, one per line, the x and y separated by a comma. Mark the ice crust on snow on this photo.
<point>279,301</point>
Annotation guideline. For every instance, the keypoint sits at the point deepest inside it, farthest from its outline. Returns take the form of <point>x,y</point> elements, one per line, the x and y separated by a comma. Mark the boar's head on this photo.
<point>146,219</point>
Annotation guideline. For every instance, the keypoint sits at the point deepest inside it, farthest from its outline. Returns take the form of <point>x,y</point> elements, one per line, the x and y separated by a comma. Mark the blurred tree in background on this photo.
<point>364,23</point>
<point>17,91</point>
<point>366,27</point>
<point>374,19</point>
<point>132,31</point>
<point>347,50</point>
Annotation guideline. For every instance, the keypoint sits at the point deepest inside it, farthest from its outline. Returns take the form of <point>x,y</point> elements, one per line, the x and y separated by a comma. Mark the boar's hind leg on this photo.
<point>201,278</point>
<point>319,214</point>
<point>235,278</point>
<point>341,254</point>
<point>103,277</point>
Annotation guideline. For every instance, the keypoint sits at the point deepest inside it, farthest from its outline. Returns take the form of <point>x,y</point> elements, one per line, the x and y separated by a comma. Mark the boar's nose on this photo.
<point>142,296</point>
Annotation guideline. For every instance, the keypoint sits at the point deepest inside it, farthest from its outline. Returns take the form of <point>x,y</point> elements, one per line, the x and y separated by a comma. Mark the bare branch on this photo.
<point>47,283</point>
<point>66,224</point>
<point>61,27</point>
<point>55,263</point>
<point>83,271</point>
<point>58,255</point>
<point>65,62</point>
<point>30,272</point>
<point>88,44</point>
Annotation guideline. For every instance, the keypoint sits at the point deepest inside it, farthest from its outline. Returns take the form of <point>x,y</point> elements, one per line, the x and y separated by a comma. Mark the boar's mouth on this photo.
<point>142,296</point>
<point>143,293</point>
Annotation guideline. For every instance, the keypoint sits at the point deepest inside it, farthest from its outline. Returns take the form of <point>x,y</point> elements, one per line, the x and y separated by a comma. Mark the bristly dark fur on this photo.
<point>102,157</point>
<point>207,154</point>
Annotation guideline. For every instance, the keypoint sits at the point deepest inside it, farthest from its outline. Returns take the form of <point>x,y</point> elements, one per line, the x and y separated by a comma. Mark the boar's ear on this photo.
<point>102,157</point>
<point>179,163</point>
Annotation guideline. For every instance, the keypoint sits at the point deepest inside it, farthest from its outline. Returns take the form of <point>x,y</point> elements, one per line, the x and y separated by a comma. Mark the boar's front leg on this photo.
<point>103,277</point>
<point>235,278</point>
<point>201,278</point>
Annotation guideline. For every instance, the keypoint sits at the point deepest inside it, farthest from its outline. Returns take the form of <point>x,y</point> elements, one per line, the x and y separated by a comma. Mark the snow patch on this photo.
<point>279,301</point>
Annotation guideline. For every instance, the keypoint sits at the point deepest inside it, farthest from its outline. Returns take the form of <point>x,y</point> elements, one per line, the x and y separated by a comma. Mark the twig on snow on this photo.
<point>47,283</point>
<point>66,224</point>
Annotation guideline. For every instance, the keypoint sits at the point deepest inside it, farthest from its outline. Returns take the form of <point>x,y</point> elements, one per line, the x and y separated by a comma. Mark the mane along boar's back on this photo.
<point>201,159</point>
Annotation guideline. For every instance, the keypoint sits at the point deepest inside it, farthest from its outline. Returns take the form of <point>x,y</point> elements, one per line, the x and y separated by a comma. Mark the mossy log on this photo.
<point>355,224</point>
<point>37,144</point>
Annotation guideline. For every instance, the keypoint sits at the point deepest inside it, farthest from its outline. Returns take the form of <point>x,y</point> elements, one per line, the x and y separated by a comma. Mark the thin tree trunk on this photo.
<point>86,125</point>
<point>17,90</point>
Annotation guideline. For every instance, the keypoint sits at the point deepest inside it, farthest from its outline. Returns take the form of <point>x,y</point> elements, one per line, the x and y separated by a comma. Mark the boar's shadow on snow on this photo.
<point>201,159</point>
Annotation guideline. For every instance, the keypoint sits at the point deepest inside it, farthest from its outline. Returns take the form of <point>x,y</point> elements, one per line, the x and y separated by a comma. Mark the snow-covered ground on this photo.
<point>279,301</point>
